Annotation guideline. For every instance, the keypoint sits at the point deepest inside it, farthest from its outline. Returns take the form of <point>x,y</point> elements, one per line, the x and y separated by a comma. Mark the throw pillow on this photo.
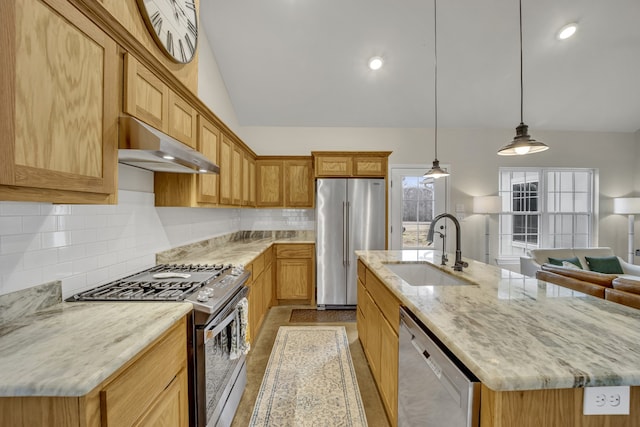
<point>569,264</point>
<point>559,261</point>
<point>609,264</point>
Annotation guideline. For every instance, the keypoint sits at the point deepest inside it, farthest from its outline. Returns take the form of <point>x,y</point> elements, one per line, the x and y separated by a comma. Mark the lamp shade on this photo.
<point>626,205</point>
<point>487,204</point>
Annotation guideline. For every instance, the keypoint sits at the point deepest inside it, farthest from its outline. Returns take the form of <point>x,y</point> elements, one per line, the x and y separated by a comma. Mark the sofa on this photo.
<point>622,289</point>
<point>529,265</point>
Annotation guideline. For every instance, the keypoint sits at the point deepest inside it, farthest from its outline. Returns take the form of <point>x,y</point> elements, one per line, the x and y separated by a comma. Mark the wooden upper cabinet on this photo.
<point>208,144</point>
<point>146,97</point>
<point>192,190</point>
<point>372,164</point>
<point>270,183</point>
<point>252,181</point>
<point>60,105</point>
<point>284,182</point>
<point>237,156</point>
<point>182,124</point>
<point>298,181</point>
<point>149,99</point>
<point>226,166</point>
<point>333,166</point>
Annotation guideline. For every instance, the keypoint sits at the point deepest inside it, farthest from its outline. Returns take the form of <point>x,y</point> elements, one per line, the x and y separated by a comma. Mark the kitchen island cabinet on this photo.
<point>107,365</point>
<point>60,105</point>
<point>533,345</point>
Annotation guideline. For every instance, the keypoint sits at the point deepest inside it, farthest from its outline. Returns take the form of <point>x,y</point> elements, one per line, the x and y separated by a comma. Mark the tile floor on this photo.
<point>259,356</point>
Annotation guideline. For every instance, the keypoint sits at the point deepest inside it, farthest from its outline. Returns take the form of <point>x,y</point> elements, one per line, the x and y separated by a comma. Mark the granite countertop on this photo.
<point>238,249</point>
<point>517,333</point>
<point>70,348</point>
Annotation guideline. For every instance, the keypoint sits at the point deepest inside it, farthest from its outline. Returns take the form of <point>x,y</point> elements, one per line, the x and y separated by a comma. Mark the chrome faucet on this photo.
<point>458,264</point>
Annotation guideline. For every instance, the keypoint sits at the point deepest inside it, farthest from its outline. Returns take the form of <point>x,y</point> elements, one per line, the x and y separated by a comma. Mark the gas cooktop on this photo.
<point>205,286</point>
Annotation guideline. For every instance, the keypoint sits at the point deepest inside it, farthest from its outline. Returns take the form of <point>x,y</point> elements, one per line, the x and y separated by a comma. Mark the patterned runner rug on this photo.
<point>309,381</point>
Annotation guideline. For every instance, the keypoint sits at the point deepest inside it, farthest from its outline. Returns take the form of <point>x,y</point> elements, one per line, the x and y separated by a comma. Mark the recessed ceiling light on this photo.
<point>567,31</point>
<point>168,157</point>
<point>376,63</point>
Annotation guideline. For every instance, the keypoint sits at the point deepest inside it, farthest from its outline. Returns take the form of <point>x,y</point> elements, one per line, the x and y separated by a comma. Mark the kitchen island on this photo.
<point>532,344</point>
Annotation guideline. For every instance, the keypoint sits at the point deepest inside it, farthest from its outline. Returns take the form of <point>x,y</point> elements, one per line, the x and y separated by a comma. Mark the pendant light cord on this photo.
<point>521,78</point>
<point>435,62</point>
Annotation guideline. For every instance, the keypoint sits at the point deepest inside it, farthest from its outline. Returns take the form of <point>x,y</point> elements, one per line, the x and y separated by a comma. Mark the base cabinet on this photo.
<point>378,315</point>
<point>295,272</point>
<point>261,291</point>
<point>151,390</point>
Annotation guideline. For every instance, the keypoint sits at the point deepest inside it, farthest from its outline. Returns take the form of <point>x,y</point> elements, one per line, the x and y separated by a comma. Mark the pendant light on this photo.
<point>522,143</point>
<point>436,171</point>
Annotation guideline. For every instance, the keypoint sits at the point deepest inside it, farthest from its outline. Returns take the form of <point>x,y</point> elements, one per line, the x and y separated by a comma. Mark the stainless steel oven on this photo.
<point>217,372</point>
<point>221,373</point>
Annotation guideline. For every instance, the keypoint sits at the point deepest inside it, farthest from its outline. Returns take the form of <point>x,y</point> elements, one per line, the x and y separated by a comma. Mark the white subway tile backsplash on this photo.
<point>10,225</point>
<point>38,224</point>
<point>19,243</point>
<point>19,209</point>
<point>40,258</point>
<point>56,239</point>
<point>86,245</point>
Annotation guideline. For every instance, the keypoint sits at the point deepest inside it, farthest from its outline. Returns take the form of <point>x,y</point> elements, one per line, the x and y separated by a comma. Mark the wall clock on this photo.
<point>173,25</point>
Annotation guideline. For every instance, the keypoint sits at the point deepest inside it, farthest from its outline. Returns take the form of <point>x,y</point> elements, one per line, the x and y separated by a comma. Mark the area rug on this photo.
<point>310,315</point>
<point>309,381</point>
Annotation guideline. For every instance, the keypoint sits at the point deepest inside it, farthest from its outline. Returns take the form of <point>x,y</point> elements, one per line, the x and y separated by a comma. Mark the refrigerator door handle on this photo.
<point>347,235</point>
<point>344,233</point>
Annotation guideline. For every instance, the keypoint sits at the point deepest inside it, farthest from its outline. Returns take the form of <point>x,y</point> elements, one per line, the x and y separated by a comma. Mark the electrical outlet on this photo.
<point>612,400</point>
<point>637,252</point>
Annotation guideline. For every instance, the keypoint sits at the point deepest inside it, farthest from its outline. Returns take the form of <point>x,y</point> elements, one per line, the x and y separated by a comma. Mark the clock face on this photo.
<point>174,26</point>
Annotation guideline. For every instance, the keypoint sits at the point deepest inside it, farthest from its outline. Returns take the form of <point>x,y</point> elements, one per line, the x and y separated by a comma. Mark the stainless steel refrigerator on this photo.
<point>350,216</point>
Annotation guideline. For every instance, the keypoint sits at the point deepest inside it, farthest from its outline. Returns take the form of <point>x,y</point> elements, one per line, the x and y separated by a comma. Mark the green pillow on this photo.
<point>558,261</point>
<point>608,264</point>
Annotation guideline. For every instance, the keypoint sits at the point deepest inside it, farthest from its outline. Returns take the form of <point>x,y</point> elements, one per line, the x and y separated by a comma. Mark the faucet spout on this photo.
<point>458,264</point>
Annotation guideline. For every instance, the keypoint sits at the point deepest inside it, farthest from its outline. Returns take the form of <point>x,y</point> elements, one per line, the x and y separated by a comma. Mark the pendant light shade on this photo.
<point>436,171</point>
<point>522,143</point>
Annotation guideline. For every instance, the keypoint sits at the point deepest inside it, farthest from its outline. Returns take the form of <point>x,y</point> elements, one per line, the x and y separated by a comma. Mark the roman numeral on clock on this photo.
<point>192,27</point>
<point>190,45</point>
<point>156,21</point>
<point>170,42</point>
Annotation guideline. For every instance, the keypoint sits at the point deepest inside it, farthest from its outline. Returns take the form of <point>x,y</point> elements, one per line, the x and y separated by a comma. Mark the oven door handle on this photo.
<point>214,329</point>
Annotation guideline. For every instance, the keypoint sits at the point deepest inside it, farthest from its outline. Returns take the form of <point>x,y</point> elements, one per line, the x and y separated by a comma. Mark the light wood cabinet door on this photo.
<point>389,375</point>
<point>372,350</point>
<point>146,97</point>
<point>270,183</point>
<point>226,169</point>
<point>237,156</point>
<point>182,124</point>
<point>369,166</point>
<point>170,409</point>
<point>267,290</point>
<point>60,105</point>
<point>252,182</point>
<point>299,190</point>
<point>294,277</point>
<point>333,166</point>
<point>208,144</point>
<point>245,179</point>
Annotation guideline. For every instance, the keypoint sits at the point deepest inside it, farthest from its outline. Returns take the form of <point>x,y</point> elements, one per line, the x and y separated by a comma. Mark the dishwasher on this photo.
<point>434,388</point>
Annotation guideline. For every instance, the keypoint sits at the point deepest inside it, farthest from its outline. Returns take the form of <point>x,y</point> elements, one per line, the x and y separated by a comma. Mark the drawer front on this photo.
<point>386,301</point>
<point>294,251</point>
<point>130,394</point>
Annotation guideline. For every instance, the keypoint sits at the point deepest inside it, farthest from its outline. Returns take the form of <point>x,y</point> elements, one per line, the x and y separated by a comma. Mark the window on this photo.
<point>545,207</point>
<point>415,201</point>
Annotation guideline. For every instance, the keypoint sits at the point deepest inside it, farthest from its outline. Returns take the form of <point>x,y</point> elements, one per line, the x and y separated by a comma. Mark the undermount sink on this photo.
<point>424,274</point>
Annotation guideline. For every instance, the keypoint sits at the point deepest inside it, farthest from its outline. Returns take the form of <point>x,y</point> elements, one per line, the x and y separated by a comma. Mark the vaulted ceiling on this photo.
<point>304,62</point>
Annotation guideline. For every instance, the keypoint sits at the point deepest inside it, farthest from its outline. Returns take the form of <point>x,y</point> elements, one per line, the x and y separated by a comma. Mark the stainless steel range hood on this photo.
<point>145,147</point>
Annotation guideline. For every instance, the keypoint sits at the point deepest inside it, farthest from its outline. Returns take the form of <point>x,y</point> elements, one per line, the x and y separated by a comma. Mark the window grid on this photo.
<point>559,206</point>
